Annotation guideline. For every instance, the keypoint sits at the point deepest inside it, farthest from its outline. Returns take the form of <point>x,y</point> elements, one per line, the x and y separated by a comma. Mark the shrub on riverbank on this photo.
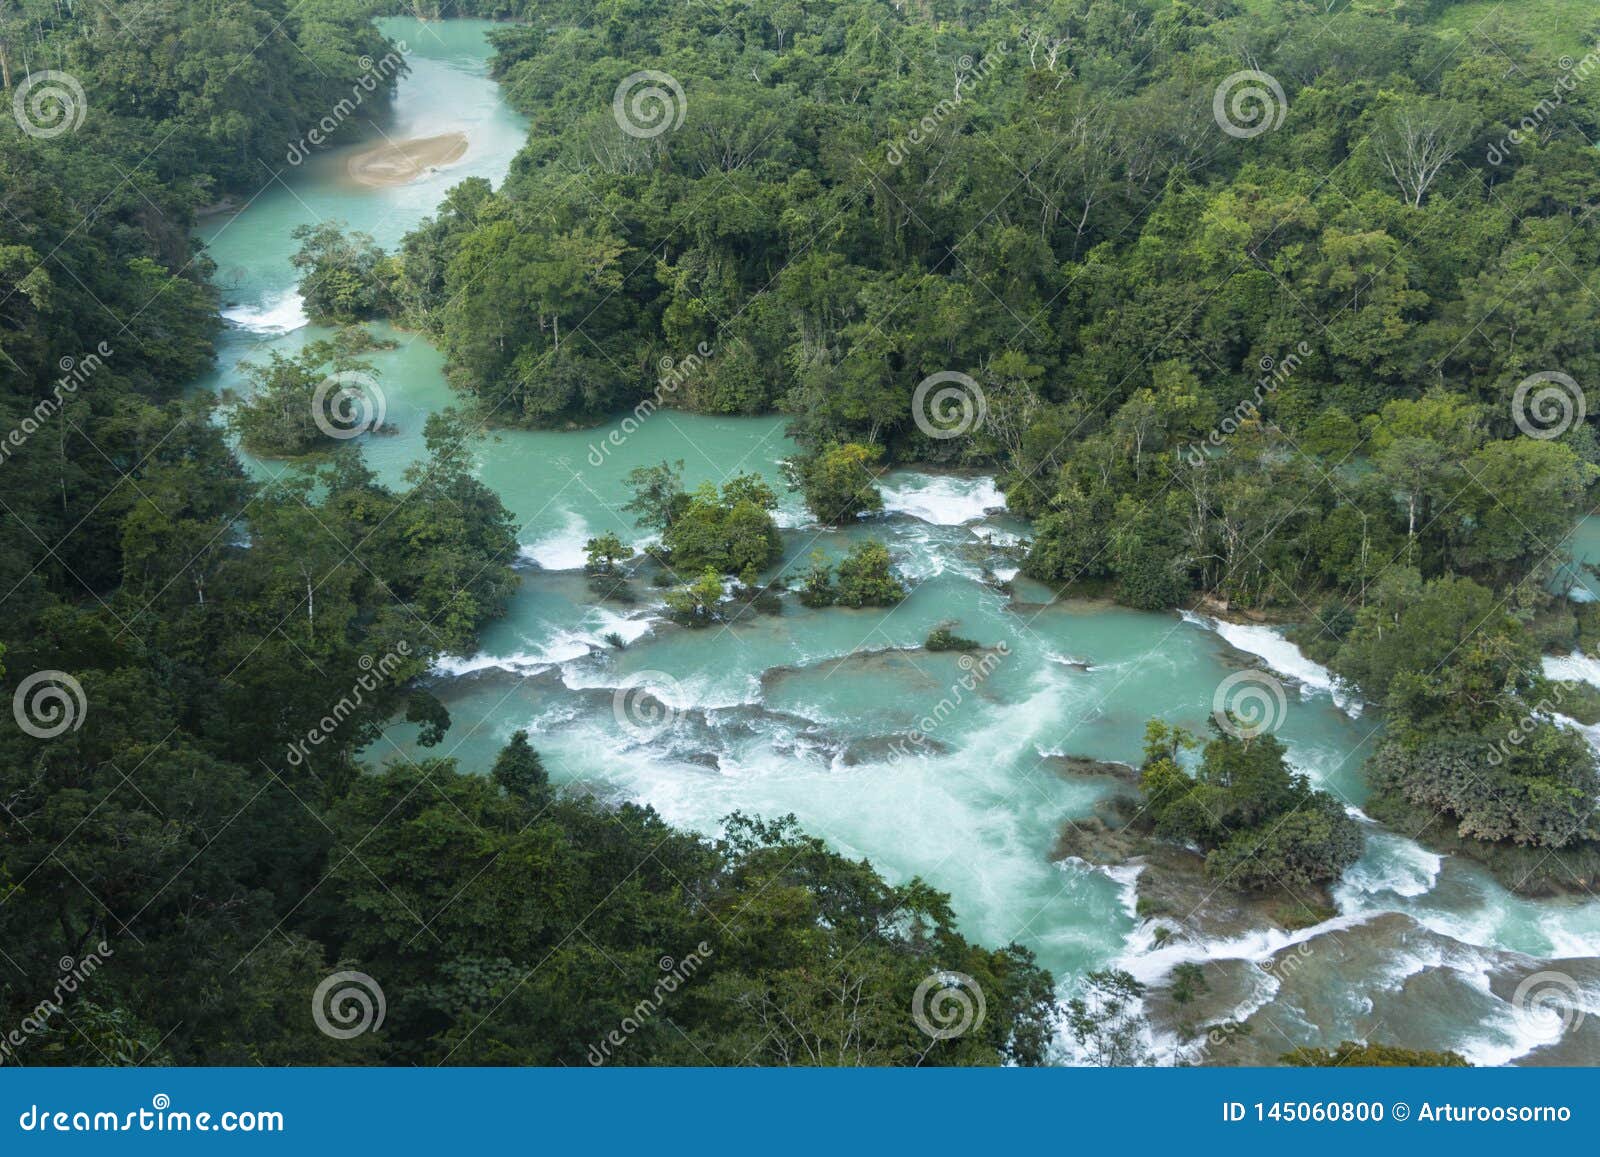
<point>942,638</point>
<point>1264,827</point>
<point>731,531</point>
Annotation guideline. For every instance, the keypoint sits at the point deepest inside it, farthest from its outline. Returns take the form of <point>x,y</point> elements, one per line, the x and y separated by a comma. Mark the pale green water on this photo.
<point>794,712</point>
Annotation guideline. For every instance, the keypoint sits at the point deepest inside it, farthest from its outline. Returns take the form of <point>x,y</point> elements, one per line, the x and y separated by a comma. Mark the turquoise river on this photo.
<point>809,711</point>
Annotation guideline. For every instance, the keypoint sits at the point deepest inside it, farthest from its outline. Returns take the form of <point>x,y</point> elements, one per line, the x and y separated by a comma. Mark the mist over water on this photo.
<point>810,712</point>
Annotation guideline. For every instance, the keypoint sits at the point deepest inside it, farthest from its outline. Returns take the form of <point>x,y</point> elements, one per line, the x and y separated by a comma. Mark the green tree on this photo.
<point>839,481</point>
<point>867,579</point>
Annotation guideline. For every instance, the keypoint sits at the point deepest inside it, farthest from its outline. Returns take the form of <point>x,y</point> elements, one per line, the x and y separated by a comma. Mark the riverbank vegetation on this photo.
<point>1313,363</point>
<point>1261,825</point>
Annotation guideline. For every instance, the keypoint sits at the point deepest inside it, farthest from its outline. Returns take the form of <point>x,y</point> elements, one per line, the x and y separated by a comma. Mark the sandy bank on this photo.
<point>401,162</point>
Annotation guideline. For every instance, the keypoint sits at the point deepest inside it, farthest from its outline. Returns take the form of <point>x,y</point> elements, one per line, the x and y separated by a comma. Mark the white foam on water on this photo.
<point>1391,865</point>
<point>792,513</point>
<point>1006,573</point>
<point>279,313</point>
<point>563,550</point>
<point>922,553</point>
<point>942,499</point>
<point>565,646</point>
<point>703,693</point>
<point>1283,657</point>
<point>1577,667</point>
<point>1257,946</point>
<point>1591,734</point>
<point>1573,931</point>
<point>519,663</point>
<point>1124,876</point>
<point>1509,1033</point>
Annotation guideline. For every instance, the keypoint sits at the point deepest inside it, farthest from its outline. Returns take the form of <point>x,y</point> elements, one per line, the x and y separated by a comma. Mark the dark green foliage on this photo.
<point>239,643</point>
<point>518,770</point>
<point>1115,308</point>
<point>816,588</point>
<point>945,639</point>
<point>762,927</point>
<point>866,579</point>
<point>696,604</point>
<point>730,531</point>
<point>1352,1054</point>
<point>658,497</point>
<point>1263,827</point>
<point>1470,733</point>
<point>839,481</point>
<point>341,276</point>
<point>1188,981</point>
<point>604,552</point>
<point>313,401</point>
